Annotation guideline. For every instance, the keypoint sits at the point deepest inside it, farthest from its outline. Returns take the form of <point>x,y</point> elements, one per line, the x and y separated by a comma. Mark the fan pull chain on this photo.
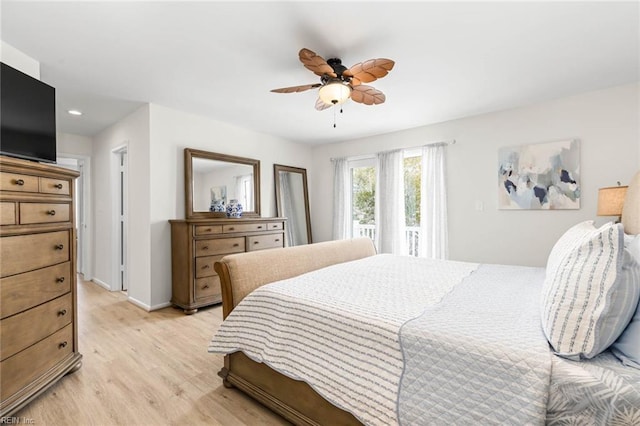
<point>334,116</point>
<point>335,106</point>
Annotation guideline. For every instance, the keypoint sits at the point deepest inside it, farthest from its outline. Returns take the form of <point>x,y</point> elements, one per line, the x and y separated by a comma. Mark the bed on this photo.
<point>333,333</point>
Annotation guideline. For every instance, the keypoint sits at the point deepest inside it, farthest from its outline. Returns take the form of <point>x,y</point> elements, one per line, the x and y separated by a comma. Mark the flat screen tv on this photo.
<point>27,116</point>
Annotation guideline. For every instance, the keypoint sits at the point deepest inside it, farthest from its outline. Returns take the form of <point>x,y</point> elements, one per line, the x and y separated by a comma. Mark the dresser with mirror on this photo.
<point>212,182</point>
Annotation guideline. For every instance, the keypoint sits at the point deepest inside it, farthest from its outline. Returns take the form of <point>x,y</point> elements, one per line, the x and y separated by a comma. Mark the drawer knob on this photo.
<point>256,242</point>
<point>62,345</point>
<point>205,267</point>
<point>260,227</point>
<point>208,230</point>
<point>277,239</point>
<point>51,212</point>
<point>232,228</point>
<point>206,286</point>
<point>58,185</point>
<point>59,246</point>
<point>205,248</point>
<point>236,245</point>
<point>19,182</point>
<point>62,313</point>
<point>60,279</point>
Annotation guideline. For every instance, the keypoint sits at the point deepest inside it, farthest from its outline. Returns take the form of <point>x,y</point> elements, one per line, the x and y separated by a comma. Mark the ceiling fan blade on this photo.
<point>320,105</point>
<point>315,63</point>
<point>295,89</point>
<point>367,95</point>
<point>368,71</point>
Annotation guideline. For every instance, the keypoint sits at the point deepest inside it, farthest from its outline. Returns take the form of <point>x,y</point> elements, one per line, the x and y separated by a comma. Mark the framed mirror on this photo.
<point>213,179</point>
<point>292,202</point>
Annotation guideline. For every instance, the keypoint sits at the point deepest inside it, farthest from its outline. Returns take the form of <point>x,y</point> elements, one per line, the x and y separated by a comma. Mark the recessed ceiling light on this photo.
<point>74,112</point>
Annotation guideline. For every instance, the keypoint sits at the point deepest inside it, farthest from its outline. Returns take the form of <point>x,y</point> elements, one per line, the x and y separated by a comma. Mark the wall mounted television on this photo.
<point>27,116</point>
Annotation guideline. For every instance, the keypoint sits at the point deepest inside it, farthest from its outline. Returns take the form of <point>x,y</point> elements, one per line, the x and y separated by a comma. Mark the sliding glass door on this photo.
<point>363,198</point>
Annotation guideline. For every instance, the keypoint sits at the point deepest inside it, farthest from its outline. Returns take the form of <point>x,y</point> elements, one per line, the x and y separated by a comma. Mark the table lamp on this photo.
<point>611,200</point>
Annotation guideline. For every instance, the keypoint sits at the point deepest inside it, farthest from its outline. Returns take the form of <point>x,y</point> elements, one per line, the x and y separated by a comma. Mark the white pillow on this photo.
<point>590,291</point>
<point>627,347</point>
<point>564,244</point>
<point>632,243</point>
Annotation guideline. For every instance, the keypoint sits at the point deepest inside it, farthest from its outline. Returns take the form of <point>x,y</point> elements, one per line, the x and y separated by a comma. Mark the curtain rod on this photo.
<point>365,156</point>
<point>445,142</point>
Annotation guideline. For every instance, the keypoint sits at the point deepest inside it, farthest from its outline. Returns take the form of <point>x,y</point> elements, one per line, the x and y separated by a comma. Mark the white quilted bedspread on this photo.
<point>338,328</point>
<point>480,356</point>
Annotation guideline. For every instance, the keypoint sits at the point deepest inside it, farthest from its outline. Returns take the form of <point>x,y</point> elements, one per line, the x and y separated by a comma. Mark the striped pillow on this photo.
<point>566,242</point>
<point>590,292</point>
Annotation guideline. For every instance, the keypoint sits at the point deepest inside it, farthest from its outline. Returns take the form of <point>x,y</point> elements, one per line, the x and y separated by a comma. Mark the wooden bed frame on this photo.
<point>242,273</point>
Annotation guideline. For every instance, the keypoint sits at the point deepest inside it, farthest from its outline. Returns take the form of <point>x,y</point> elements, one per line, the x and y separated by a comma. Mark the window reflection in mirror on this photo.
<point>292,202</point>
<point>220,181</point>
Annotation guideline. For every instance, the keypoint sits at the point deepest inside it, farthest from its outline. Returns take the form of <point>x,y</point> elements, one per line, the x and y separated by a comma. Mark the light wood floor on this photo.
<point>144,368</point>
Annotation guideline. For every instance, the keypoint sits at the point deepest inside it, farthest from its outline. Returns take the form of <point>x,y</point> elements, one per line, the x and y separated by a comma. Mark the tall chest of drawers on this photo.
<point>38,317</point>
<point>196,244</point>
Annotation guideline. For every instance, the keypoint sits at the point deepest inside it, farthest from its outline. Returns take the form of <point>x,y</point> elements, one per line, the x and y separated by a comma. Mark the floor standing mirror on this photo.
<point>292,202</point>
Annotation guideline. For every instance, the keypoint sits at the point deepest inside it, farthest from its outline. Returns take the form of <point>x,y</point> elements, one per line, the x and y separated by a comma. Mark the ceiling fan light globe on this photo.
<point>334,93</point>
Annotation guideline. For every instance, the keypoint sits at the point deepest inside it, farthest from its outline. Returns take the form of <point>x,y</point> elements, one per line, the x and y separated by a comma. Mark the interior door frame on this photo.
<point>119,232</point>
<point>83,205</point>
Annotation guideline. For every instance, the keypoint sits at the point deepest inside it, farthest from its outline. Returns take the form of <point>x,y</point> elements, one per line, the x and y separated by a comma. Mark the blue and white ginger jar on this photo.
<point>217,206</point>
<point>234,209</point>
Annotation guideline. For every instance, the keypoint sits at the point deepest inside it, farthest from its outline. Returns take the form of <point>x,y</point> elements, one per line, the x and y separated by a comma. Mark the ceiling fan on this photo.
<point>337,83</point>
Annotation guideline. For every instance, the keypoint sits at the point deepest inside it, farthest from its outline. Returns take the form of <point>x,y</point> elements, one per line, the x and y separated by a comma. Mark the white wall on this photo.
<point>132,131</point>
<point>171,132</point>
<point>75,145</point>
<point>607,123</point>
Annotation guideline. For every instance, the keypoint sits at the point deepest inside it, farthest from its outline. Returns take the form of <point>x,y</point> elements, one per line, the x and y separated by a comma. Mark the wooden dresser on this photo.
<point>38,325</point>
<point>196,244</point>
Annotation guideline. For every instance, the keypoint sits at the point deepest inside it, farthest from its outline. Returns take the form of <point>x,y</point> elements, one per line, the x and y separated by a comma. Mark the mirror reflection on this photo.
<point>292,202</point>
<point>215,183</point>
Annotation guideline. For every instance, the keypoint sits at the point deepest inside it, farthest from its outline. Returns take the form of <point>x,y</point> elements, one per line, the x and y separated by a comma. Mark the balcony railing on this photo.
<point>412,236</point>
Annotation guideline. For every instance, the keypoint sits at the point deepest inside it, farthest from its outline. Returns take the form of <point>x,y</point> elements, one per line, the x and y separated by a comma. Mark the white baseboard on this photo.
<point>139,304</point>
<point>161,306</point>
<point>136,302</point>
<point>101,283</point>
<point>147,307</point>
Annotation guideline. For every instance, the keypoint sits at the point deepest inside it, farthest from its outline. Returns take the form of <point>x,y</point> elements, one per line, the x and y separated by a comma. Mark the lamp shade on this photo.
<point>334,93</point>
<point>611,200</point>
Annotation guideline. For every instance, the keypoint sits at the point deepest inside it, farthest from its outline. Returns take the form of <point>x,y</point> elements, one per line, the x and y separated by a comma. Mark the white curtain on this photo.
<point>434,239</point>
<point>341,199</point>
<point>390,219</point>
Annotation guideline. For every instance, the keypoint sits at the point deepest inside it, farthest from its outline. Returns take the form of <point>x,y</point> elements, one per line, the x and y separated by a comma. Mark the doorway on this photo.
<point>82,188</point>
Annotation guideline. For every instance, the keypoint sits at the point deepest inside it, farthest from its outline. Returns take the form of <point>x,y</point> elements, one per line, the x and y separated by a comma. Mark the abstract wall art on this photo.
<point>541,176</point>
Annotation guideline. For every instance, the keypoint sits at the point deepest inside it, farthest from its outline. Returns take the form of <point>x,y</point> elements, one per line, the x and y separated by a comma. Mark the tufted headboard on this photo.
<point>631,208</point>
